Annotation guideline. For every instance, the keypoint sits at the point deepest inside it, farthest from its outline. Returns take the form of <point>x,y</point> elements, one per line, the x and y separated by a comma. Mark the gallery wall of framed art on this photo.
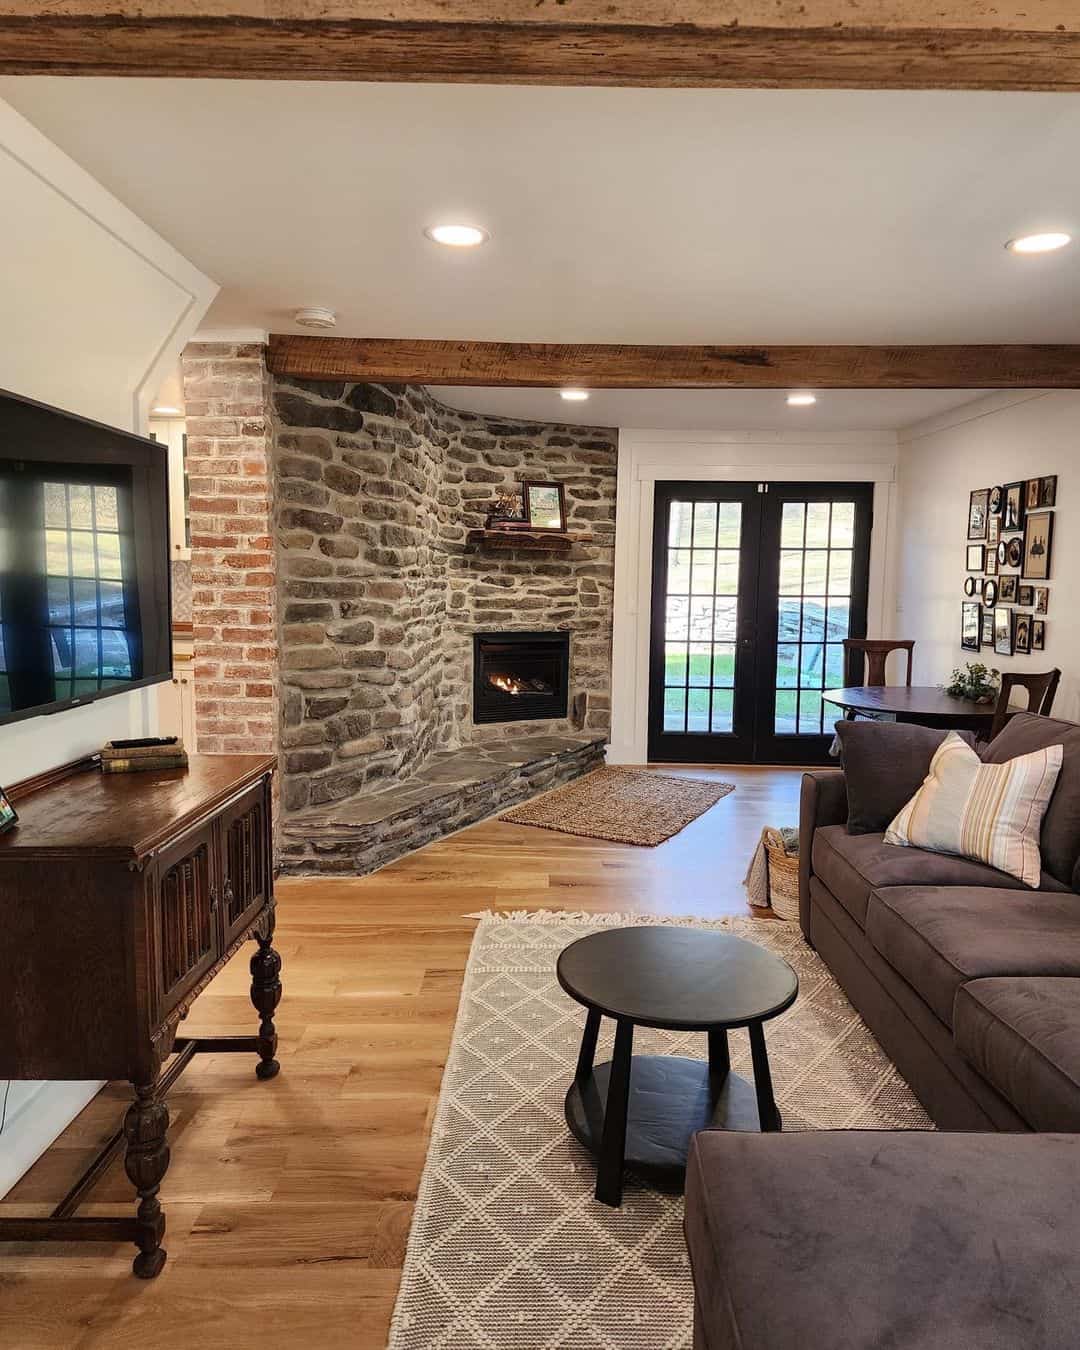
<point>1009,561</point>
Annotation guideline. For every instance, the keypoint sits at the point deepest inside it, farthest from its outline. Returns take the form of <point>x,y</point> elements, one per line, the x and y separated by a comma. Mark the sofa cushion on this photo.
<point>852,865</point>
<point>910,1240</point>
<point>990,812</point>
<point>1060,843</point>
<point>1023,1036</point>
<point>885,764</point>
<point>939,937</point>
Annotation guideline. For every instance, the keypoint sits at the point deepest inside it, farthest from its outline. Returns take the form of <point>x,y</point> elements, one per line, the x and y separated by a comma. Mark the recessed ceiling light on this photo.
<point>574,395</point>
<point>162,410</point>
<point>801,400</point>
<point>315,316</point>
<point>457,236</point>
<point>1039,243</point>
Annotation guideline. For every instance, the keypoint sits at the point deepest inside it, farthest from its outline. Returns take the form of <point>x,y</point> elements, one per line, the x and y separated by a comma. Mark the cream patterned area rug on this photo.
<point>626,806</point>
<point>509,1250</point>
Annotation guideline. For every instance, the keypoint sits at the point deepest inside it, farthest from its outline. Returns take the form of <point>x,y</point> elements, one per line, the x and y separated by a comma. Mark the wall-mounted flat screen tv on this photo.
<point>85,603</point>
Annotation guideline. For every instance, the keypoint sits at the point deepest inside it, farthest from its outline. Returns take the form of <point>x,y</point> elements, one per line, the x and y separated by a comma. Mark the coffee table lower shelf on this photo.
<point>670,1101</point>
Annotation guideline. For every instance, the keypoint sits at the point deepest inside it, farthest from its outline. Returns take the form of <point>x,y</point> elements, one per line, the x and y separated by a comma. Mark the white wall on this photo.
<point>647,457</point>
<point>997,440</point>
<point>94,310</point>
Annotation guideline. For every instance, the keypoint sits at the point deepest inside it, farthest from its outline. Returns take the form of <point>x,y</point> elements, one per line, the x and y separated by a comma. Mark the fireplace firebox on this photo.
<point>520,676</point>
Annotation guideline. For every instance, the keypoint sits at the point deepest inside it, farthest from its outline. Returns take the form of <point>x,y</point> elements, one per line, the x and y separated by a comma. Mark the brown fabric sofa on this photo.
<point>969,979</point>
<point>918,1240</point>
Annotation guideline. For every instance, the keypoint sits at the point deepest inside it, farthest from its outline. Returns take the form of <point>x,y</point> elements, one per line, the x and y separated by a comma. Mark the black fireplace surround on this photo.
<point>520,677</point>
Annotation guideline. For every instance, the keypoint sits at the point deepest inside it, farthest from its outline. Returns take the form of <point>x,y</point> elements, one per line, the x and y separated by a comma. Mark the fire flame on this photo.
<point>507,684</point>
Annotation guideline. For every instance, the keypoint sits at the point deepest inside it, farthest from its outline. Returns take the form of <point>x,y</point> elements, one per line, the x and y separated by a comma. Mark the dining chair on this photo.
<point>1041,690</point>
<point>875,652</point>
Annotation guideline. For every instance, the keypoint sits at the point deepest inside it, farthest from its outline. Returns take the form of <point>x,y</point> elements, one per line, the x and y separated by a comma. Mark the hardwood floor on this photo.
<point>288,1203</point>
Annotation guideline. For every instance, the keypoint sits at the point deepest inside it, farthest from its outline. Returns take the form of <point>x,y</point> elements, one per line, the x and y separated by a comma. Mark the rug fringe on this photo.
<point>553,916</point>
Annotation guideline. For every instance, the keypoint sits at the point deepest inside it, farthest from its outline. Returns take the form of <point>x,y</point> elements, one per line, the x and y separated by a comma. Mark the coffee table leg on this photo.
<point>609,1169</point>
<point>588,1045</point>
<point>768,1115</point>
<point>719,1062</point>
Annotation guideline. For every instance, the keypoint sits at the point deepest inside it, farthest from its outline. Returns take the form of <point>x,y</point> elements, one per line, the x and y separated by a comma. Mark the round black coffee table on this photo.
<point>642,1111</point>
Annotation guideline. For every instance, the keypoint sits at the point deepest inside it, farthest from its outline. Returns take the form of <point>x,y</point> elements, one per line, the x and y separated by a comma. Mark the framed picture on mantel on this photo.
<point>545,506</point>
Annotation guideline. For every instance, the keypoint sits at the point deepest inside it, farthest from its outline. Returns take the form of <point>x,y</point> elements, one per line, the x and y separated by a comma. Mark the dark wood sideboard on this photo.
<point>121,897</point>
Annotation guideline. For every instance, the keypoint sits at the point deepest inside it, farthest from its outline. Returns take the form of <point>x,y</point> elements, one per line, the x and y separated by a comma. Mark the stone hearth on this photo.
<point>455,788</point>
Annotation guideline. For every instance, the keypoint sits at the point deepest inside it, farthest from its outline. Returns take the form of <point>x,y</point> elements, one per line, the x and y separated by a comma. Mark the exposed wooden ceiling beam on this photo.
<point>868,44</point>
<point>423,361</point>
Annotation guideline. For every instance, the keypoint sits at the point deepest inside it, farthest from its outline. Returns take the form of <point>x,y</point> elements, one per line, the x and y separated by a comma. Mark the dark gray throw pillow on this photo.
<point>884,765</point>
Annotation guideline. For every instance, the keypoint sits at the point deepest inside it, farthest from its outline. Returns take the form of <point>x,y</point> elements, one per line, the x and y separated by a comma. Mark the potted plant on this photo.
<point>974,681</point>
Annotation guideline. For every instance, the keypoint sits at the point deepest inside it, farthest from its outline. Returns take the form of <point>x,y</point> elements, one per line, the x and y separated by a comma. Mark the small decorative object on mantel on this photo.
<point>8,815</point>
<point>974,681</point>
<point>545,506</point>
<point>144,755</point>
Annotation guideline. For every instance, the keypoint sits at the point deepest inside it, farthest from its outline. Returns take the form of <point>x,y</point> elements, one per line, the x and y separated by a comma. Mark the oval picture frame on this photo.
<point>1002,552</point>
<point>990,592</point>
<point>997,500</point>
<point>970,585</point>
<point>1015,551</point>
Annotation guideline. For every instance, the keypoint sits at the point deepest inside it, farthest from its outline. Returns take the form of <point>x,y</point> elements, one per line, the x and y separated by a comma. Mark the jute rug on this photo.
<point>509,1249</point>
<point>627,806</point>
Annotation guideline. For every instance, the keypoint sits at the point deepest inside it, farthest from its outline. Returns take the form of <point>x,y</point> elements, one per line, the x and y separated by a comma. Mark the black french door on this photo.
<point>755,587</point>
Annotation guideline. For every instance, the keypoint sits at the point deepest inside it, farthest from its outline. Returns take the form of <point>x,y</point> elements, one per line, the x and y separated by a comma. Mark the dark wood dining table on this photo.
<point>927,705</point>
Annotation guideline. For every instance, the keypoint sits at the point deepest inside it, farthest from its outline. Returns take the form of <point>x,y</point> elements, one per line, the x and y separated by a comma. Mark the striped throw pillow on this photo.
<point>989,812</point>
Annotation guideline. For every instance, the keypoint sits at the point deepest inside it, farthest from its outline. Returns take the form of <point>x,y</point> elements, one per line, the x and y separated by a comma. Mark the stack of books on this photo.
<point>140,756</point>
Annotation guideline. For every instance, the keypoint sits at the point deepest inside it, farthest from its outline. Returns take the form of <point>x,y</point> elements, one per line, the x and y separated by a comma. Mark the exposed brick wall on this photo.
<point>233,561</point>
<point>377,488</point>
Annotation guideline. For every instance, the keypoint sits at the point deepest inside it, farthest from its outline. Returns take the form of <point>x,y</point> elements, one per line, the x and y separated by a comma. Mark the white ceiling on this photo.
<point>716,409</point>
<point>619,215</point>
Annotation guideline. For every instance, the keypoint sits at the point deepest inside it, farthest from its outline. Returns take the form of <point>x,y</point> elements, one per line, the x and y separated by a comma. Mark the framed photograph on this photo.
<point>1048,490</point>
<point>997,500</point>
<point>976,557</point>
<point>991,562</point>
<point>1042,599</point>
<point>1003,552</point>
<point>1032,493</point>
<point>988,628</point>
<point>1003,632</point>
<point>990,593</point>
<point>545,506</point>
<point>978,512</point>
<point>1014,551</point>
<point>8,815</point>
<point>971,627</point>
<point>509,509</point>
<point>1013,513</point>
<point>1038,635</point>
<point>1025,595</point>
<point>993,527</point>
<point>1038,543</point>
<point>1007,588</point>
<point>1022,632</point>
<point>970,585</point>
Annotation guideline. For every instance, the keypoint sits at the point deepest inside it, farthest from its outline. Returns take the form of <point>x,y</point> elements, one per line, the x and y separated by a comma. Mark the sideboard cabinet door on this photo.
<point>185,937</point>
<point>246,860</point>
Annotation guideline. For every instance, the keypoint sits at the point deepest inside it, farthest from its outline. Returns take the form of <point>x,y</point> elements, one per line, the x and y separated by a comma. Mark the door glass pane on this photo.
<point>815,582</point>
<point>701,616</point>
<point>723,704</point>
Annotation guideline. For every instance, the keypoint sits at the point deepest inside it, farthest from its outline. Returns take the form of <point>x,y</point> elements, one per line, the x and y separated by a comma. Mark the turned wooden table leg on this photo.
<point>266,995</point>
<point>146,1124</point>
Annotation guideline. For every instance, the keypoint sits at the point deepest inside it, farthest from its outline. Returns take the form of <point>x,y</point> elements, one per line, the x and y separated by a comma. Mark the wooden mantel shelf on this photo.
<point>541,540</point>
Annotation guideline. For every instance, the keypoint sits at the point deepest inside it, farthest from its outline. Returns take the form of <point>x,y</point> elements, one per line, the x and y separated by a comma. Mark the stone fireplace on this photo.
<point>520,676</point>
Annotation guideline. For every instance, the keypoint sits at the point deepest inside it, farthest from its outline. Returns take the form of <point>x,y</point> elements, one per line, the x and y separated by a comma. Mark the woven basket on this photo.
<point>783,877</point>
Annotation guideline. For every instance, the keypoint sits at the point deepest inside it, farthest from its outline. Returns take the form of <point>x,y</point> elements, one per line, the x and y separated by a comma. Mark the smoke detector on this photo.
<point>315,316</point>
